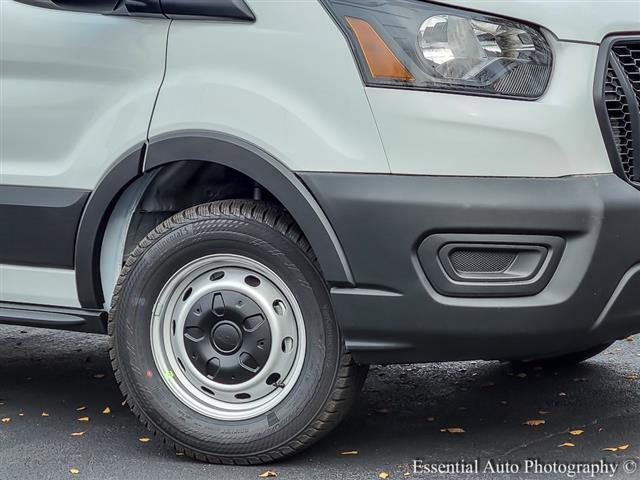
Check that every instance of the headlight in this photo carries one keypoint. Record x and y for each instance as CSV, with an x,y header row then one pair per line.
x,y
420,45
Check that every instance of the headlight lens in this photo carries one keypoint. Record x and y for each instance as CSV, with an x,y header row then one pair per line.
x,y
415,44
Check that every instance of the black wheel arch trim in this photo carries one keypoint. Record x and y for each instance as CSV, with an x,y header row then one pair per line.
x,y
94,222
214,147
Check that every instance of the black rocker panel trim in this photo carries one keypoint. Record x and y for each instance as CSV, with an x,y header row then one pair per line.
x,y
38,225
94,222
255,163
75,319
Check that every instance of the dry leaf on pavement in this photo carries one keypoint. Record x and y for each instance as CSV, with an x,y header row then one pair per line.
x,y
453,430
535,423
268,474
78,434
106,411
567,445
576,433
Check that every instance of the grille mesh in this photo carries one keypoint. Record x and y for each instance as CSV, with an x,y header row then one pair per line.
x,y
481,261
629,57
620,119
621,97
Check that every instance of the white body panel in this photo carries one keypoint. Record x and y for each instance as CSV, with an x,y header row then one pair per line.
x,y
41,286
77,92
447,134
287,83
584,20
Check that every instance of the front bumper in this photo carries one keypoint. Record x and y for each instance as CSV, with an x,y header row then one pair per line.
x,y
395,314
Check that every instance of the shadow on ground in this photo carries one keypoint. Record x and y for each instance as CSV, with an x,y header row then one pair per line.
x,y
400,416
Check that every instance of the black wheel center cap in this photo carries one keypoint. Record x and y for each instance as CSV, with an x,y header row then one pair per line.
x,y
226,337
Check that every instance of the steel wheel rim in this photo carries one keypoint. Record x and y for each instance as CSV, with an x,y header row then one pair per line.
x,y
173,311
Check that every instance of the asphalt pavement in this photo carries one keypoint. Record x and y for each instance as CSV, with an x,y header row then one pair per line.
x,y
435,413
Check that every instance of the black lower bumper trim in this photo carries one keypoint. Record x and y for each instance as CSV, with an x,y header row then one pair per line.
x,y
381,220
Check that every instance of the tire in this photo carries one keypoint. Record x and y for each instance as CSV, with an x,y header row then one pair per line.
x,y
569,359
235,256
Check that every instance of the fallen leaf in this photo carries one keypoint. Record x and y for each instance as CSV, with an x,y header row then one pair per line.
x,y
350,452
629,339
106,411
535,423
623,447
144,439
567,445
124,402
99,376
632,377
431,419
268,474
453,430
521,375
78,434
79,409
383,475
74,471
83,419
562,394
610,449
44,414
6,419
543,412
21,414
576,433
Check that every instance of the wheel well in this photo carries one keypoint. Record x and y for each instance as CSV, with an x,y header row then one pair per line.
x,y
185,168
180,185
161,193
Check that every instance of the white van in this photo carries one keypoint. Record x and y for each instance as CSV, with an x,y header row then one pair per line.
x,y
257,199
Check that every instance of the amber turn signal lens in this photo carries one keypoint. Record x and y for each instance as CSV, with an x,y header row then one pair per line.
x,y
380,59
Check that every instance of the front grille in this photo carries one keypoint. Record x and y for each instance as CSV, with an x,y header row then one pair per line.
x,y
619,97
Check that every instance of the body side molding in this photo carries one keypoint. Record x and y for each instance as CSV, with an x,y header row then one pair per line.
x,y
257,164
39,225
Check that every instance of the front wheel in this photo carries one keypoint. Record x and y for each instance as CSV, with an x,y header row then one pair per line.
x,y
223,338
